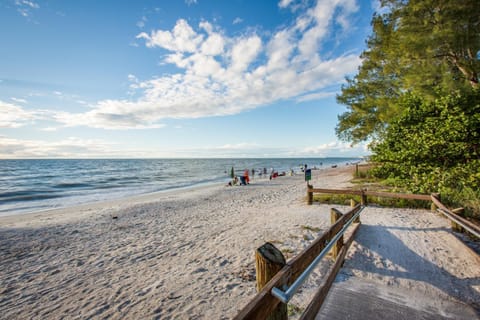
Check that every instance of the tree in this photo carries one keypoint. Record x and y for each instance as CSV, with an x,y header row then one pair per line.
x,y
433,146
428,47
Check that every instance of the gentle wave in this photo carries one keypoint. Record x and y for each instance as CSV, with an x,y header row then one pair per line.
x,y
32,185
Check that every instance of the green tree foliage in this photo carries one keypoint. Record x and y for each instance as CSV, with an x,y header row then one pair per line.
x,y
434,146
428,47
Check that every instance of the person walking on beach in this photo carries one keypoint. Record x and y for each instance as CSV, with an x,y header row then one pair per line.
x,y
245,175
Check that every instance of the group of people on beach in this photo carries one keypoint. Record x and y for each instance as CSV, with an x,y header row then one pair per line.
x,y
245,178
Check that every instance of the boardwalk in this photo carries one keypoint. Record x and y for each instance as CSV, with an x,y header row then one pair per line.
x,y
403,265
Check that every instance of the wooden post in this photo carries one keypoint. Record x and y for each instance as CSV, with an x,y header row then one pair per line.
x,y
353,203
364,198
268,261
334,216
456,227
356,171
309,194
433,207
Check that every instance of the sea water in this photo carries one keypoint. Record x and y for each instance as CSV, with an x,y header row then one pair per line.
x,y
36,185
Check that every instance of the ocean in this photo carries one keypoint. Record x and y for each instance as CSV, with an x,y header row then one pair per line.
x,y
36,185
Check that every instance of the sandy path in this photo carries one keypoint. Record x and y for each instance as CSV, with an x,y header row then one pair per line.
x,y
190,254
414,250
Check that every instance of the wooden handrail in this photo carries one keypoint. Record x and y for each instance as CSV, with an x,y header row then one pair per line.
x,y
317,301
453,216
264,302
261,306
410,196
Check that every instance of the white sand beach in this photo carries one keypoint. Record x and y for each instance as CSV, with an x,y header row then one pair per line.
x,y
189,254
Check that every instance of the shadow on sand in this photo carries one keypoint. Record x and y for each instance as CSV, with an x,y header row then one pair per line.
x,y
382,253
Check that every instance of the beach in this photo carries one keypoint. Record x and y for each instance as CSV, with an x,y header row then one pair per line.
x,y
189,253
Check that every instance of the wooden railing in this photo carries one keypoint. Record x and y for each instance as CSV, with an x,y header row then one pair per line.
x,y
364,193
457,221
265,304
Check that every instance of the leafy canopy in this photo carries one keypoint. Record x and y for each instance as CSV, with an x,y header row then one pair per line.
x,y
428,47
434,146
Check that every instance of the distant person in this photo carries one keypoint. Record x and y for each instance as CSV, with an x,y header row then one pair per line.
x,y
245,176
253,173
242,181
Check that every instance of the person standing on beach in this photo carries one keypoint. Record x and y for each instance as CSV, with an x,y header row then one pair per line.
x,y
245,175
253,173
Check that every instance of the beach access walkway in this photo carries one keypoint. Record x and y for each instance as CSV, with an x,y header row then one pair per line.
x,y
404,268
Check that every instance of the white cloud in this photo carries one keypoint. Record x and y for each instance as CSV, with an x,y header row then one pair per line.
x,y
213,45
221,75
244,52
30,4
315,96
18,100
248,149
25,7
141,22
237,20
71,147
191,2
182,38
284,3
13,116
336,148
74,147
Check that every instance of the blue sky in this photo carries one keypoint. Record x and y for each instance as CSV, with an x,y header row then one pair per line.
x,y
184,78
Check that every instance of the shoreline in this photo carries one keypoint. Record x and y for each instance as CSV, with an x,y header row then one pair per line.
x,y
183,255
17,218
64,213
41,185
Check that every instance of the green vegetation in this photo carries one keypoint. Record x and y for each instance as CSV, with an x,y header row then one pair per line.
x,y
293,310
434,147
428,47
384,202
309,228
416,98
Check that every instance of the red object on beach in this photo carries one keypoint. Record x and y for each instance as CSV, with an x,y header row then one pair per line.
x,y
245,175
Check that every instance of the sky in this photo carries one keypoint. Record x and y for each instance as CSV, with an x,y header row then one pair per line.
x,y
177,78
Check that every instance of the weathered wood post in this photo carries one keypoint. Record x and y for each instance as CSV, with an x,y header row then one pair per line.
x,y
455,226
353,203
334,216
433,207
357,175
364,198
268,261
309,194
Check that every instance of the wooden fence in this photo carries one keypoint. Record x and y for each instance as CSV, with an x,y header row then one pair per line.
x,y
264,303
458,222
266,306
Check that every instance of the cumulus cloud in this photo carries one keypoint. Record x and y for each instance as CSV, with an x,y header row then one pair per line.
x,y
181,39
222,75
13,116
11,148
336,148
